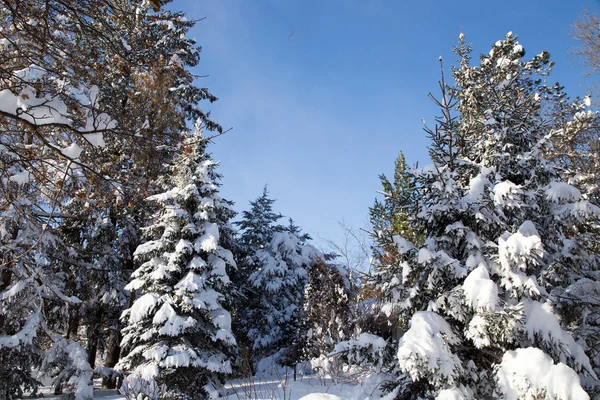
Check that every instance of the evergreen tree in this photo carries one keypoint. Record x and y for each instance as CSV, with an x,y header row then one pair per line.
x,y
259,224
104,88
271,280
391,218
278,282
327,320
177,331
478,291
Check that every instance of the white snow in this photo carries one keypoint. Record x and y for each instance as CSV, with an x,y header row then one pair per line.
x,y
503,62
480,291
530,373
477,331
95,139
25,336
506,194
209,240
364,340
425,348
517,49
320,396
143,306
523,245
32,73
176,324
73,151
561,191
148,247
424,256
403,245
455,393
477,184
164,313
541,324
280,385
22,177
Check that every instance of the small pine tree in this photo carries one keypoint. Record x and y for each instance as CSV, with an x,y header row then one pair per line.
x,y
278,282
327,316
177,332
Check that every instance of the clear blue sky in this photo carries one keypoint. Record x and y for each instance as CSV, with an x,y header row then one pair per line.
x,y
323,94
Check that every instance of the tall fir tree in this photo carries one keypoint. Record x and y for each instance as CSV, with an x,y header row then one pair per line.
x,y
259,224
391,218
177,331
272,276
478,294
105,88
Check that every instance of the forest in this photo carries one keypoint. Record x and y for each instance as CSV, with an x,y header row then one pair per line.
x,y
124,271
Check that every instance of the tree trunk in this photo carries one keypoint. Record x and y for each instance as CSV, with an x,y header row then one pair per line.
x,y
94,336
73,325
6,278
113,352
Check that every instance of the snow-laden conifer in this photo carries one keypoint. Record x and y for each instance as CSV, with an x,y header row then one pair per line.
x,y
478,294
274,274
177,331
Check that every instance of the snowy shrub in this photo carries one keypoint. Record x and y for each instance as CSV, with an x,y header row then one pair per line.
x,y
367,351
136,388
66,363
530,374
327,308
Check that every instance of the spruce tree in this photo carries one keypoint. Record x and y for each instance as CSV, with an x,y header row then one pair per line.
x,y
259,224
391,218
477,294
327,313
104,89
271,280
177,331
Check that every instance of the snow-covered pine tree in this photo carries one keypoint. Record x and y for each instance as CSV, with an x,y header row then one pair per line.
x,y
259,224
95,92
327,317
273,275
479,291
177,331
278,281
390,218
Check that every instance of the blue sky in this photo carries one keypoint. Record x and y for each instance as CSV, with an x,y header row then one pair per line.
x,y
323,94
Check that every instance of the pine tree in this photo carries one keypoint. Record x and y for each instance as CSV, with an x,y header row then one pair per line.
x,y
278,281
478,292
259,224
391,218
272,276
329,295
105,87
177,331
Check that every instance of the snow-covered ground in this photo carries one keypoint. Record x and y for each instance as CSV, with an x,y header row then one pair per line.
x,y
273,388
274,381
305,388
